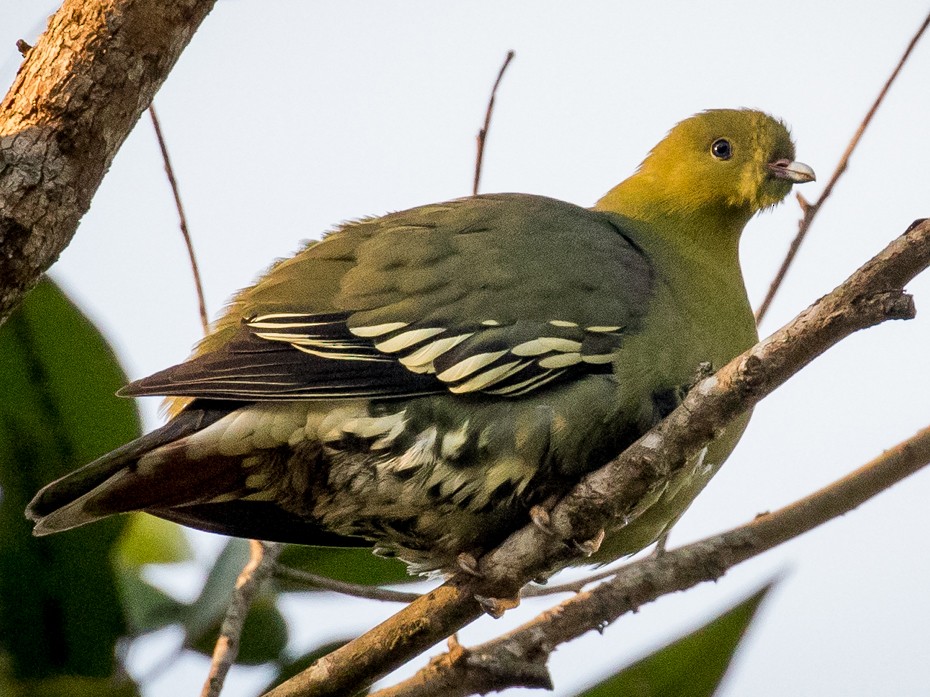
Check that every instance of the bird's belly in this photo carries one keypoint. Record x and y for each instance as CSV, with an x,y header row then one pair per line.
x,y
666,503
429,478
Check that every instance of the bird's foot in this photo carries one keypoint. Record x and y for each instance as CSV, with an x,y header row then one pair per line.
x,y
704,370
541,519
589,547
469,564
496,607
659,550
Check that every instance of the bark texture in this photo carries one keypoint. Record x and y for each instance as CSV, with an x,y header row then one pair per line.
x,y
77,95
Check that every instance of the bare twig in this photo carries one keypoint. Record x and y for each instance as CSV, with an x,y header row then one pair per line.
x,y
809,210
871,295
356,590
182,220
568,587
483,133
465,671
261,563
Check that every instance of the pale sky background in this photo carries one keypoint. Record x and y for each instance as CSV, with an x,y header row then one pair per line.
x,y
284,118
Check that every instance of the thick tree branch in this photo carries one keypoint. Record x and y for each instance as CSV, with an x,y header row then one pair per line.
x,y
871,295
521,655
76,97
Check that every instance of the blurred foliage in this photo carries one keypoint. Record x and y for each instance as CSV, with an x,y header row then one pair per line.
x,y
264,635
70,686
68,600
59,606
150,540
694,665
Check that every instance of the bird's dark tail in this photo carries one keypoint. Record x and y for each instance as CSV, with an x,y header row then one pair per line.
x,y
95,490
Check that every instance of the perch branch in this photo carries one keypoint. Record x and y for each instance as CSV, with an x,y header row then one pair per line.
x,y
262,559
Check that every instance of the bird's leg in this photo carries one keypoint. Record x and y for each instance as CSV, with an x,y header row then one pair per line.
x,y
496,607
540,517
539,514
468,563
590,546
659,550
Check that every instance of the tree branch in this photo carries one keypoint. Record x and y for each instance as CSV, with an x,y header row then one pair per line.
x,y
465,671
871,295
182,222
77,95
483,133
262,559
356,590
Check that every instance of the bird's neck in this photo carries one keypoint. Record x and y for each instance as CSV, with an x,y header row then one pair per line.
x,y
702,229
696,256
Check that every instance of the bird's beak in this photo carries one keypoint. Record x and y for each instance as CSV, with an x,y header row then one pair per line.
x,y
796,172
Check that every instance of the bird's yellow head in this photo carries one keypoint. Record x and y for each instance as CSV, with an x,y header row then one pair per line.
x,y
727,162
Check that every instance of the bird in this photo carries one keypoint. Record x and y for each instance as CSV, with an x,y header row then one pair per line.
x,y
422,382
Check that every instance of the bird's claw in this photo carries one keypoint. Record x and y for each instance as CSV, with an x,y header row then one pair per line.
x,y
589,547
659,550
468,564
704,371
496,607
541,519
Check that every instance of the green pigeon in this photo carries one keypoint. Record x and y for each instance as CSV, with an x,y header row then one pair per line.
x,y
422,381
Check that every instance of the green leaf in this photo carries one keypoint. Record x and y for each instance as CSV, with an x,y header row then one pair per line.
x,y
205,613
264,634
59,607
147,607
72,686
351,565
693,665
150,540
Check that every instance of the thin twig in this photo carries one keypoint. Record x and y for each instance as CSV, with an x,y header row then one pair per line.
x,y
261,563
483,133
809,210
567,587
182,219
356,590
464,671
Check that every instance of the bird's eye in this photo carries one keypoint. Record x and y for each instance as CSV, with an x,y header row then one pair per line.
x,y
721,149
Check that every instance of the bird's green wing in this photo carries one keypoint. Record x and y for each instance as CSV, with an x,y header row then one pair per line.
x,y
498,294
